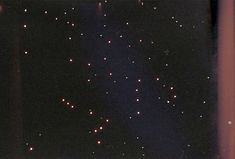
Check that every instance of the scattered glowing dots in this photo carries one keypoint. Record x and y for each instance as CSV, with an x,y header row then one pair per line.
x,y
176,21
229,122
98,142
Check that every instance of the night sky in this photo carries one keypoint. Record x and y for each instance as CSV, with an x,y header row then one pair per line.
x,y
115,79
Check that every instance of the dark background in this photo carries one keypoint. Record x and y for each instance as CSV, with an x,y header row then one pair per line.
x,y
54,130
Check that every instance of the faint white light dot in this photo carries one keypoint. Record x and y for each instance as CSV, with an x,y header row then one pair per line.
x,y
105,1
143,154
140,40
81,34
204,102
31,149
107,120
70,60
120,36
133,62
90,112
25,26
181,25
104,25
56,18
154,8
158,79
105,58
72,8
73,24
166,64
89,64
72,106
88,80
173,17
40,134
182,112
105,15
65,13
109,42
45,12
100,3
174,96
70,38
136,90
230,122
139,80
110,74
26,52
201,116
137,137
67,103
171,88
101,35
106,92
101,128
129,45
95,131
98,142
208,77
130,117
189,145
126,77
25,10
149,58
67,22
137,100
159,98
127,23
176,21
63,100
138,113
168,101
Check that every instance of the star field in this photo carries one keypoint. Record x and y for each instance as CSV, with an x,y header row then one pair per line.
x,y
117,79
